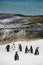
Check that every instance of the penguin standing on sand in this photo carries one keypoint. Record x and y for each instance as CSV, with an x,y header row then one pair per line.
x,y
8,48
16,57
31,49
26,49
20,47
36,51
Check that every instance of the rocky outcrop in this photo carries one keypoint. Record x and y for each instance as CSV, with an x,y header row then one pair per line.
x,y
20,26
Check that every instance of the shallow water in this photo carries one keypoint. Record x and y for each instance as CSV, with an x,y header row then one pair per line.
x,y
26,7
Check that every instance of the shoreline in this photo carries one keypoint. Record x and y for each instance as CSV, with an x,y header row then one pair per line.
x,y
7,42
22,15
32,40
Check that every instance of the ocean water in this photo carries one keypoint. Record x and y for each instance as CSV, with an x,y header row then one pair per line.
x,y
26,7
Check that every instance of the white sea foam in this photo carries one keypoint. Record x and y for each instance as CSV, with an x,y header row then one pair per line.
x,y
7,20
